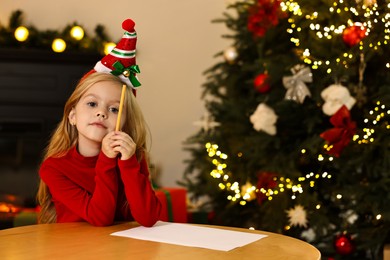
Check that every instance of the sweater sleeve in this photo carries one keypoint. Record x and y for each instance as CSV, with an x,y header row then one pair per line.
x,y
143,203
96,207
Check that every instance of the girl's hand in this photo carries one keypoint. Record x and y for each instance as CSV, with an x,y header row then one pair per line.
x,y
117,142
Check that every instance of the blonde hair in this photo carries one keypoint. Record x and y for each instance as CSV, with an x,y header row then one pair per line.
x,y
65,135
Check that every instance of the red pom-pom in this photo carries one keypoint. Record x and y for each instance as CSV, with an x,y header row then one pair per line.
x,y
128,25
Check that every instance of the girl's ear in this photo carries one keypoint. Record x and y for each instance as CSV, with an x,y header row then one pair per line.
x,y
72,117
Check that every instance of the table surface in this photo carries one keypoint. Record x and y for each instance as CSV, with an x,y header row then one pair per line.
x,y
83,241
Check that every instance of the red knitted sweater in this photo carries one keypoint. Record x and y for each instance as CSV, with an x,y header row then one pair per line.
x,y
96,189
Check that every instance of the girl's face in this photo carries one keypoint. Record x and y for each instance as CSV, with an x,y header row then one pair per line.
x,y
96,113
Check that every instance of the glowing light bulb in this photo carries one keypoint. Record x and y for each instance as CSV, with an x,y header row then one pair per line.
x,y
230,54
77,32
21,33
108,47
58,45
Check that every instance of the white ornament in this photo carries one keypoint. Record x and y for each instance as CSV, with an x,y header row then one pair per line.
x,y
309,235
230,54
264,119
297,216
207,122
350,216
335,96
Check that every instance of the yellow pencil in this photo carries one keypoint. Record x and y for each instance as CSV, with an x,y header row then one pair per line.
x,y
118,120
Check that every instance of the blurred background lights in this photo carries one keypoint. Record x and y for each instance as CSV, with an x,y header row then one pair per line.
x,y
108,47
77,32
58,45
21,33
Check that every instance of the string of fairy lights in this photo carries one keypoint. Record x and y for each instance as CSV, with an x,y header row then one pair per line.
x,y
247,192
366,17
58,45
376,116
242,193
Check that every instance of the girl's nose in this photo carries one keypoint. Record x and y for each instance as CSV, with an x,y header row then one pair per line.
x,y
101,114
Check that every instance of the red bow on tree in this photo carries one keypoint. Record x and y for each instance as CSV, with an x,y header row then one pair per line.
x,y
264,15
265,180
342,133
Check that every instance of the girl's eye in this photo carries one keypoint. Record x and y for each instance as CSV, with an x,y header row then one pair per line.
x,y
114,110
91,104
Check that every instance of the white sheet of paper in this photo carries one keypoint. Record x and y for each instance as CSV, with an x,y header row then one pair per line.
x,y
191,235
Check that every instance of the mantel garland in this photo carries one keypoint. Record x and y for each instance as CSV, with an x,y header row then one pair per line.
x,y
19,35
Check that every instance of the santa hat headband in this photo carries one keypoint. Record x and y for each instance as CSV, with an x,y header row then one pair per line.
x,y
121,60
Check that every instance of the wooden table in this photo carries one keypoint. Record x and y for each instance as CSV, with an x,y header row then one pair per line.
x,y
83,241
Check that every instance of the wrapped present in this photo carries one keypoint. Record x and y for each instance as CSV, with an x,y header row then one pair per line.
x,y
26,217
174,206
200,217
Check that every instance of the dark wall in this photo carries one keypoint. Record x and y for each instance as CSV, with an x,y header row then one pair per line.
x,y
34,86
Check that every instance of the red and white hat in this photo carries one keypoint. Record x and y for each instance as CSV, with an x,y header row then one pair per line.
x,y
121,60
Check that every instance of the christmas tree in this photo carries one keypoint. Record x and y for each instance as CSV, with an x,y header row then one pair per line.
x,y
297,134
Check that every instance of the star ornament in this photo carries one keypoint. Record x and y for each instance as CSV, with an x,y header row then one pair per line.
x,y
297,216
207,123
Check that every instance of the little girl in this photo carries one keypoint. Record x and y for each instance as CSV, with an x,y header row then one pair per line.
x,y
90,172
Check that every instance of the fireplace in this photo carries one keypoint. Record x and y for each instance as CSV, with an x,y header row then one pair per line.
x,y
34,85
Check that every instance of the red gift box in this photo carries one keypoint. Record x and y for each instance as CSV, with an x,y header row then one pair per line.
x,y
200,217
174,205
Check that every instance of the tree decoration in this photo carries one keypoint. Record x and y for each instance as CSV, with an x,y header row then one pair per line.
x,y
335,96
207,122
18,34
248,191
343,244
294,165
297,216
360,90
354,34
295,84
377,120
265,181
369,3
309,235
335,21
342,133
350,216
264,15
218,159
264,119
230,55
261,83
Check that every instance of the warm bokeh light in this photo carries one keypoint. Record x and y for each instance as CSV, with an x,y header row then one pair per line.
x,y
77,33
21,33
58,45
108,47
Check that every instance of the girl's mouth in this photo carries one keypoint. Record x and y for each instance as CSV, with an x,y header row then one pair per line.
x,y
98,124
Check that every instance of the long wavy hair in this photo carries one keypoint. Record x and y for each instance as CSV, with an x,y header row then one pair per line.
x,y
65,135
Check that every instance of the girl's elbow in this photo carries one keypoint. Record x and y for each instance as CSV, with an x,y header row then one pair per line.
x,y
100,222
148,222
